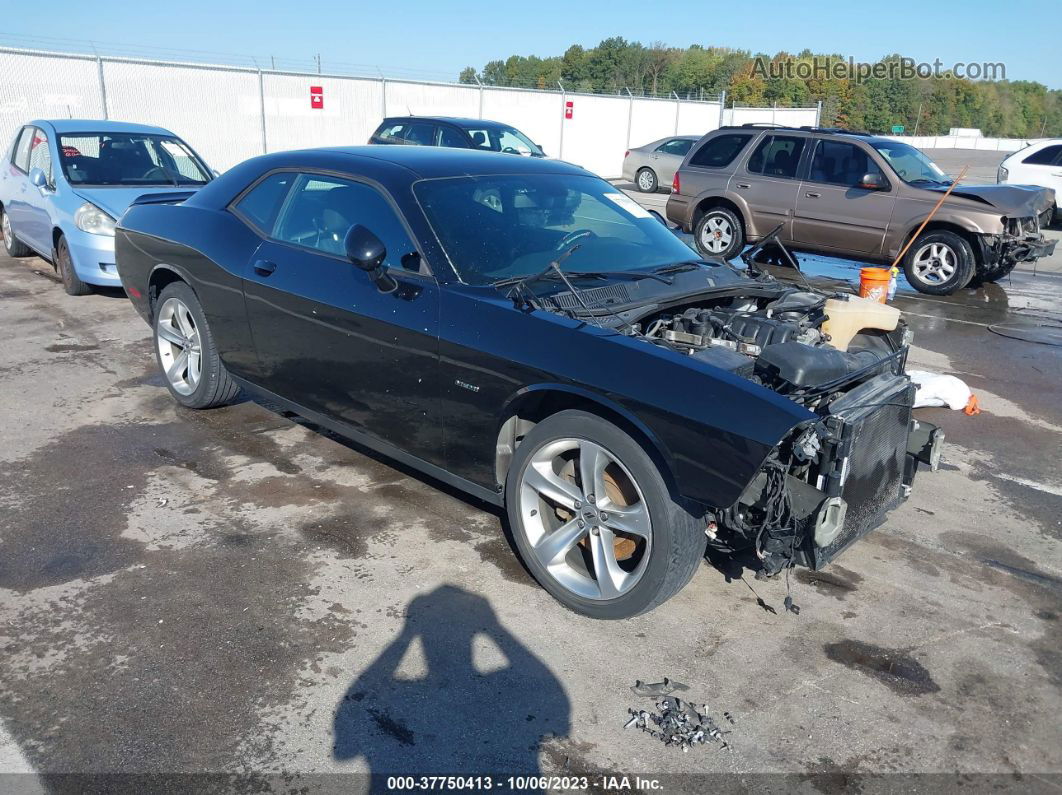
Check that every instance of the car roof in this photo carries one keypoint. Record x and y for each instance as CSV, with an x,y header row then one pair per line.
x,y
396,167
62,126
460,121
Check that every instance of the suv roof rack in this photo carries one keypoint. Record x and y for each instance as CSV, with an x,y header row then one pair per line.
x,y
766,125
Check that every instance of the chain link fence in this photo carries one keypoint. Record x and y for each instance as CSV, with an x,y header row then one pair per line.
x,y
230,113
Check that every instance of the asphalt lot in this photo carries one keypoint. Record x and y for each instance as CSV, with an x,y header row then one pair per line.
x,y
233,591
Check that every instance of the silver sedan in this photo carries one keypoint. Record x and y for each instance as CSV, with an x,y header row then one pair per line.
x,y
655,164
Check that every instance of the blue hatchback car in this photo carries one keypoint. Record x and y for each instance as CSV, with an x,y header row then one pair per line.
x,y
64,184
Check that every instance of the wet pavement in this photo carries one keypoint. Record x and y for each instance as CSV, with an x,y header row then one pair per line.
x,y
233,591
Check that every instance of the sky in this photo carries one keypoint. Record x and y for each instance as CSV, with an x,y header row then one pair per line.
x,y
435,39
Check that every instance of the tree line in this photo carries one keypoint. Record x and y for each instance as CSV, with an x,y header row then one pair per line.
x,y
929,104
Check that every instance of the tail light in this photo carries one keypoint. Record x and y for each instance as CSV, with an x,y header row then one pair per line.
x,y
626,154
1002,174
676,187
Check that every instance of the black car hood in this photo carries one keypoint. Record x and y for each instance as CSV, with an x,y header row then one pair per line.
x,y
1016,201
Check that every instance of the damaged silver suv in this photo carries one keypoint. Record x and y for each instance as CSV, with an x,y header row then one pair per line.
x,y
856,196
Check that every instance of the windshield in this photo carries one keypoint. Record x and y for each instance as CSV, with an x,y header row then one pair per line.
x,y
503,139
909,163
131,159
495,227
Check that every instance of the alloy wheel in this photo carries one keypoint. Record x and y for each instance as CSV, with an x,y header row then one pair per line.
x,y
180,351
717,234
585,518
6,227
934,263
645,180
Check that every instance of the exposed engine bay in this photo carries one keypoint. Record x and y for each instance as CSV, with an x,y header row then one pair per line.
x,y
798,343
836,476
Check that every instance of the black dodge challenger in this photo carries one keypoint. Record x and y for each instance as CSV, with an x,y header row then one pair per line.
x,y
524,331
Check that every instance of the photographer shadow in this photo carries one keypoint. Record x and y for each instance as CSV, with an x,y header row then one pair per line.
x,y
454,694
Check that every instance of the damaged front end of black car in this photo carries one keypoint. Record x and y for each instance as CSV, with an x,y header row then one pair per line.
x,y
835,476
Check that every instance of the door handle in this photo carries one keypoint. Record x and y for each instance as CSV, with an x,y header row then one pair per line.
x,y
811,195
744,185
264,267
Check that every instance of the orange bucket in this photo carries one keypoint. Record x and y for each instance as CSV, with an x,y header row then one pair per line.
x,y
874,283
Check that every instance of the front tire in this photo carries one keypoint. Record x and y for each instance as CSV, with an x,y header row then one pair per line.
x,y
646,180
186,352
13,246
719,233
65,265
594,520
939,263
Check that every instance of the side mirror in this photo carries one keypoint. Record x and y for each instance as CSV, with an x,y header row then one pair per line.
x,y
872,181
38,179
367,251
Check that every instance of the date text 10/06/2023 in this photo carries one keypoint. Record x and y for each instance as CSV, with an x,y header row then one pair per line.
x,y
574,783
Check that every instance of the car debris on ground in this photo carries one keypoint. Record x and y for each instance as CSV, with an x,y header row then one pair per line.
x,y
677,722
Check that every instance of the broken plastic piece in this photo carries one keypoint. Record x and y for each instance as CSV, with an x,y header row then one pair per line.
x,y
641,688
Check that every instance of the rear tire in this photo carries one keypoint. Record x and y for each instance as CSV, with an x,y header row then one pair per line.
x,y
939,263
616,555
65,265
186,352
646,180
719,233
13,246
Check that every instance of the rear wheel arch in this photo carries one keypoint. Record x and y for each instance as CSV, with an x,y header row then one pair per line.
x,y
707,203
161,278
531,406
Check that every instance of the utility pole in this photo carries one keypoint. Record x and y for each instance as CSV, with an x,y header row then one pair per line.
x,y
318,59
678,107
564,106
630,114
478,83
918,118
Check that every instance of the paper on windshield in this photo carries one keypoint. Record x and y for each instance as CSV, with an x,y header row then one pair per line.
x,y
627,203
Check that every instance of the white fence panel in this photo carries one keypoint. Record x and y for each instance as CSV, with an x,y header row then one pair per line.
x,y
596,135
652,119
46,87
217,111
698,118
538,114
431,99
351,111
231,113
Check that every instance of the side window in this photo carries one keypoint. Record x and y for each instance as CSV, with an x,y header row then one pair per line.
x,y
838,163
480,139
262,203
778,156
448,136
322,209
720,150
22,150
676,146
1048,156
390,132
40,156
420,134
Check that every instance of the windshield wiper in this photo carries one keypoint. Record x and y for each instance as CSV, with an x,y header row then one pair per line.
x,y
550,273
553,270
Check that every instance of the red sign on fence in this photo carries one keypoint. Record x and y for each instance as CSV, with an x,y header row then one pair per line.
x,y
317,97
569,109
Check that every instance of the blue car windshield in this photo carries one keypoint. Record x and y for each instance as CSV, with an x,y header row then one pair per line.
x,y
499,226
132,159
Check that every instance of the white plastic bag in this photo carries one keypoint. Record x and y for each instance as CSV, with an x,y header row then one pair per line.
x,y
935,389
